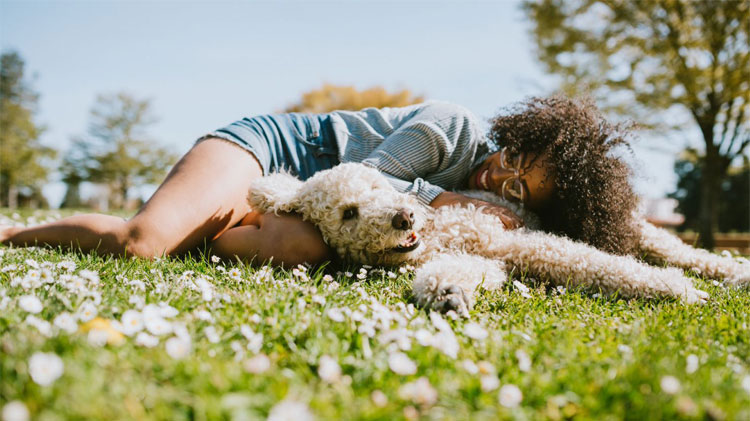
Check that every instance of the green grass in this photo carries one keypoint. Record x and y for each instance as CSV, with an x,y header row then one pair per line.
x,y
591,357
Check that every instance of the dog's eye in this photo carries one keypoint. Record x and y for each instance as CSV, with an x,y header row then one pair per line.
x,y
350,213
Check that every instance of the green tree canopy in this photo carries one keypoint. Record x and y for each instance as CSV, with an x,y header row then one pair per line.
x,y
332,97
641,58
117,151
23,159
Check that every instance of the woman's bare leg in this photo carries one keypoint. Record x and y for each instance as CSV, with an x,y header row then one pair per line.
x,y
203,195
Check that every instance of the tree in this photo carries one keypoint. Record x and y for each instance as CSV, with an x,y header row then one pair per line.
x,y
117,151
734,203
22,156
646,57
332,97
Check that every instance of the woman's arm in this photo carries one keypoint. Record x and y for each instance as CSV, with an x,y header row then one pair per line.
x,y
509,219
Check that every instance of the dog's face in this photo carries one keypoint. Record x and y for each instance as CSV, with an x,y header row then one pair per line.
x,y
361,216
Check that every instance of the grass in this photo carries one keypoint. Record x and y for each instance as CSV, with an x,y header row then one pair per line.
x,y
571,354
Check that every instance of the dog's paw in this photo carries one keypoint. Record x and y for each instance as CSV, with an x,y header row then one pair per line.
x,y
451,297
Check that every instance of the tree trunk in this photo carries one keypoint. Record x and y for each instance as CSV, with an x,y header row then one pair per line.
x,y
708,215
12,196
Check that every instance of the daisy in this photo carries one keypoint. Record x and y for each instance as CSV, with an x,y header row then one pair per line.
x,y
400,363
30,303
178,347
475,331
15,411
257,364
87,311
144,339
510,396
328,369
45,368
132,322
290,410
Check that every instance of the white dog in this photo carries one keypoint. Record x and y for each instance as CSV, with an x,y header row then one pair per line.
x,y
458,249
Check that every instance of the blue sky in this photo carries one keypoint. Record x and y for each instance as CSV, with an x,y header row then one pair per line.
x,y
206,63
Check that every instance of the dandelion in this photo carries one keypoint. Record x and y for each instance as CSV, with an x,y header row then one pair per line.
x,y
45,368
144,339
257,364
669,385
692,364
15,411
290,410
510,396
475,331
178,347
328,369
419,392
400,363
489,382
30,303
132,322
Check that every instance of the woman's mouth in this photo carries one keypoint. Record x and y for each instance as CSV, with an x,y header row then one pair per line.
x,y
483,179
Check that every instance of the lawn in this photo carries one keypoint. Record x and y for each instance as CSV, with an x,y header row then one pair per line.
x,y
200,338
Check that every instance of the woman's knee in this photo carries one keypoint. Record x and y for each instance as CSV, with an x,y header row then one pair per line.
x,y
137,240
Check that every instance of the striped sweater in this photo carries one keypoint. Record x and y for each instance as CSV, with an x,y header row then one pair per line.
x,y
423,149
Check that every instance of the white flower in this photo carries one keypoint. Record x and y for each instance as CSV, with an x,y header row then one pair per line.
x,y
327,278
318,299
178,347
419,391
424,337
469,366
210,333
475,331
144,339
87,311
335,314
30,303
328,369
289,410
98,337
45,368
215,259
15,411
524,362
486,367
401,364
523,289
165,310
206,289
439,322
204,315
132,322
44,327
234,273
378,398
257,364
489,382
746,383
670,385
66,322
446,342
137,301
692,364
510,396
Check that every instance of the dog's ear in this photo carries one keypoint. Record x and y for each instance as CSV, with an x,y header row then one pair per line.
x,y
274,193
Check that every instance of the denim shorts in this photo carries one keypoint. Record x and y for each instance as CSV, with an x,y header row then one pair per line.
x,y
301,144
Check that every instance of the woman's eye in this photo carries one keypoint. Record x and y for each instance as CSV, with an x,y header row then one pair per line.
x,y
350,213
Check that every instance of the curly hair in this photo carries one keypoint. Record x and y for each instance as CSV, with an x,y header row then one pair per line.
x,y
593,200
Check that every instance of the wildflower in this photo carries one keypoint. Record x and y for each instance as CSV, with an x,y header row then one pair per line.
x,y
469,366
30,303
328,278
669,385
132,322
165,310
624,349
402,270
255,318
87,311
144,339
66,322
486,367
400,363
205,288
523,289
101,331
419,391
524,362
204,315
318,299
178,347
44,327
391,275
137,284
378,398
290,410
67,265
335,314
157,325
234,273
328,369
746,383
510,396
90,276
215,259
692,364
210,333
45,368
489,382
424,337
257,364
15,411
475,331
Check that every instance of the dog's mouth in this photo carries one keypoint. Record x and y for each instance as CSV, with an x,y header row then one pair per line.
x,y
410,244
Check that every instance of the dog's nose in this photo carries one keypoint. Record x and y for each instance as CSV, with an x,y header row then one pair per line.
x,y
402,220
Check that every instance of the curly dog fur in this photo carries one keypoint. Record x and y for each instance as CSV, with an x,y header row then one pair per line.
x,y
458,249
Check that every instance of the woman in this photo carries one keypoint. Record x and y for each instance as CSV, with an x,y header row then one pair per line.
x,y
554,159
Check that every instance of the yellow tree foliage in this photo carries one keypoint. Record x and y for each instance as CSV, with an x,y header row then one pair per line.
x,y
333,97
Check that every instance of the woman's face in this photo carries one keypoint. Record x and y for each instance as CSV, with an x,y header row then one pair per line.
x,y
526,177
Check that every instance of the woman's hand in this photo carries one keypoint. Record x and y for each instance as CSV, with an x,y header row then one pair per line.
x,y
506,216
